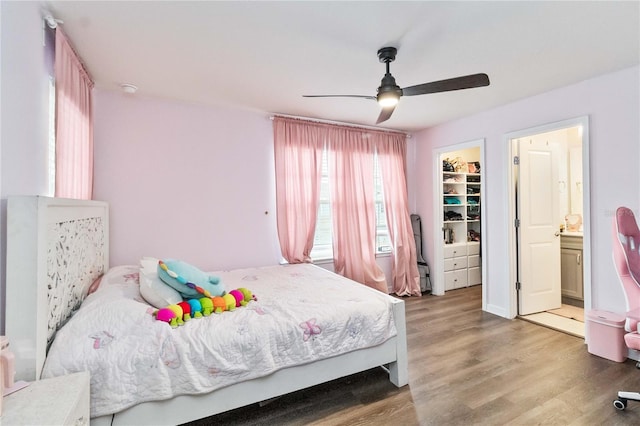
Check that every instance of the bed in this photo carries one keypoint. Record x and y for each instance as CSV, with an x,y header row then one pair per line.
x,y
57,249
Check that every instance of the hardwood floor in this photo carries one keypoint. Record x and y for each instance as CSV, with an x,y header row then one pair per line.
x,y
466,367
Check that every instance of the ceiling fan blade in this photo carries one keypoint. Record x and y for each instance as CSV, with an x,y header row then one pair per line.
x,y
340,96
385,114
457,83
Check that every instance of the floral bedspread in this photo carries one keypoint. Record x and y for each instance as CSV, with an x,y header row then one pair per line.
x,y
302,313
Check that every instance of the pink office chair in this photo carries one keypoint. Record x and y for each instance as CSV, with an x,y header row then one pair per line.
x,y
626,257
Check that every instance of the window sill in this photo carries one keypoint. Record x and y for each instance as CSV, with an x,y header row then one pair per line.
x,y
322,261
325,260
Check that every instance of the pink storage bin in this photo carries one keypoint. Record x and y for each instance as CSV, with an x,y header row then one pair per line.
x,y
606,335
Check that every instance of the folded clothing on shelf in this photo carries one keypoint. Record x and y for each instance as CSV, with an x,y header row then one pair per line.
x,y
452,200
452,179
451,215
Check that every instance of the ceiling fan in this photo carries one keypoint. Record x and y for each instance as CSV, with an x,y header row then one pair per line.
x,y
389,92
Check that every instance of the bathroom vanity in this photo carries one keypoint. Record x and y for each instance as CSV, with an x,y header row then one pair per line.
x,y
571,265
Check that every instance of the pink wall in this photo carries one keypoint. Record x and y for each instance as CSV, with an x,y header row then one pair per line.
x,y
185,181
25,113
25,101
612,103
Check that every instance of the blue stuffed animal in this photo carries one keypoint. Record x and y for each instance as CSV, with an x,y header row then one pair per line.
x,y
188,280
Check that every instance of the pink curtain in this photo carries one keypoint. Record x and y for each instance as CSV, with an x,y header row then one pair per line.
x,y
298,159
391,150
74,123
351,167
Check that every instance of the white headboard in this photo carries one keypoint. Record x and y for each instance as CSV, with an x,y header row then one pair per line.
x,y
56,248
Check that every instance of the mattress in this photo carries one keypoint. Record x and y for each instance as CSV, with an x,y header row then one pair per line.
x,y
302,313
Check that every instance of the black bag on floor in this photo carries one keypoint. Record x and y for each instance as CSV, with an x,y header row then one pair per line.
x,y
423,268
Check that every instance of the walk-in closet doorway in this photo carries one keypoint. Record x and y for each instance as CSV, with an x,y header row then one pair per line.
x,y
440,246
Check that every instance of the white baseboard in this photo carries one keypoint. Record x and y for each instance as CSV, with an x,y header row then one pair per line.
x,y
497,310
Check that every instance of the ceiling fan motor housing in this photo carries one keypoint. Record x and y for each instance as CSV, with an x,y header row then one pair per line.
x,y
387,54
389,87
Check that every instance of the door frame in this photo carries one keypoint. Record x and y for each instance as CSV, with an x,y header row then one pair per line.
x,y
438,287
582,121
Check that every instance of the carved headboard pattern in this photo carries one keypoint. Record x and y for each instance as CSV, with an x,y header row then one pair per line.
x,y
75,254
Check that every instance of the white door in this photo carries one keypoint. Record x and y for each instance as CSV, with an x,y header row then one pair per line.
x,y
539,204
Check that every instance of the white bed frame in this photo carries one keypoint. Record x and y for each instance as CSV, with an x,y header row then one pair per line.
x,y
29,272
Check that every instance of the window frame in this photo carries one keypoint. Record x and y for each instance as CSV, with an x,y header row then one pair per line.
x,y
323,244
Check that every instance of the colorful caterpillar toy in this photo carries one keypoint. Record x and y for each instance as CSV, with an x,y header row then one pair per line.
x,y
177,314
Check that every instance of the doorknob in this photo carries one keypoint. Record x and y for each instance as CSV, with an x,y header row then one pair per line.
x,y
557,234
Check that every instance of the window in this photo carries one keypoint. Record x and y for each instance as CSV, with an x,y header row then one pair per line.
x,y
322,243
383,242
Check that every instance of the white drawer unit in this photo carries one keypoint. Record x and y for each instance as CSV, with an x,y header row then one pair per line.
x,y
475,276
455,279
462,265
62,400
455,250
455,266
475,263
454,263
473,249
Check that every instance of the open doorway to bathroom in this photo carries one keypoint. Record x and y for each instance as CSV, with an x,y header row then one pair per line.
x,y
549,198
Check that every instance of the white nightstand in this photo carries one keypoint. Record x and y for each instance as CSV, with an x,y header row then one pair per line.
x,y
60,400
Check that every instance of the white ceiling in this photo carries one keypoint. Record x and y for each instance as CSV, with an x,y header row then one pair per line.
x,y
264,56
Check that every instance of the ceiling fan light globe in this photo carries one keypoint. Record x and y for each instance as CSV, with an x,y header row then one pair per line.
x,y
388,99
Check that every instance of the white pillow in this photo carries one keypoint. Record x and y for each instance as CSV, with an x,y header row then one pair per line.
x,y
149,264
152,288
